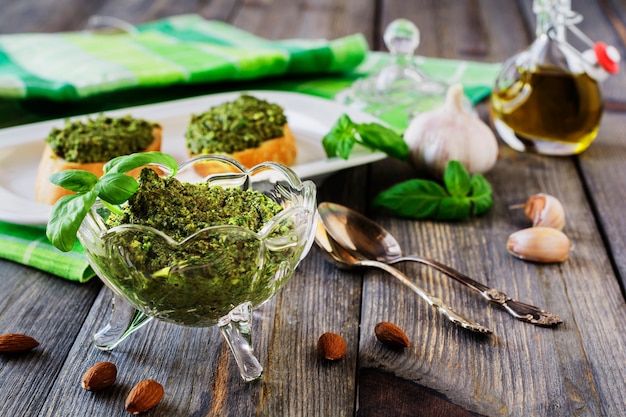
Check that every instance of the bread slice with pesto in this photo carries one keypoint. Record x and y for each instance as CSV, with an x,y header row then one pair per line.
x,y
88,145
248,129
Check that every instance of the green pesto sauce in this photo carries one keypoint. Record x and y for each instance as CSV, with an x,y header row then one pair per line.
x,y
196,283
235,126
100,139
181,209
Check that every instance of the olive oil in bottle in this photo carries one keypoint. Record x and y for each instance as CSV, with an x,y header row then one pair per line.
x,y
546,98
548,111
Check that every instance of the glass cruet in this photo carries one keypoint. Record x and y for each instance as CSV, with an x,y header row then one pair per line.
x,y
547,98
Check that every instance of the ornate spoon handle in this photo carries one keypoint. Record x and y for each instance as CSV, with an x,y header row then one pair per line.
x,y
517,309
436,302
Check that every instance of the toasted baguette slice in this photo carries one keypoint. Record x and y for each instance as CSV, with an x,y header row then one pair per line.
x,y
282,150
48,193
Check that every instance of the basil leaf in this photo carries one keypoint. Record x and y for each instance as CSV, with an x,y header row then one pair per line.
x,y
453,208
379,137
66,217
125,163
418,199
344,148
481,196
421,199
457,179
116,188
75,180
341,138
345,133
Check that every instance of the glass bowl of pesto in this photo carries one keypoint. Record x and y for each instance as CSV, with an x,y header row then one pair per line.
x,y
201,251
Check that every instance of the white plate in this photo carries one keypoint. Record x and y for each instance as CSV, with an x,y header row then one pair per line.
x,y
310,118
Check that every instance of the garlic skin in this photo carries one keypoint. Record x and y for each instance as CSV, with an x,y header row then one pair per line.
x,y
438,136
539,244
545,210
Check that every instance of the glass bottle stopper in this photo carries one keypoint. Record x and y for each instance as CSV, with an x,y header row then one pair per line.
x,y
400,84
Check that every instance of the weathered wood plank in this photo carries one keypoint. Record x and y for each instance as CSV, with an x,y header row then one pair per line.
x,y
447,26
146,10
280,19
55,16
598,26
193,364
46,16
319,299
404,400
603,167
297,381
52,311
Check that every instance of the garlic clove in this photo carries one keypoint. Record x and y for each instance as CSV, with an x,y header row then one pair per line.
x,y
545,210
539,244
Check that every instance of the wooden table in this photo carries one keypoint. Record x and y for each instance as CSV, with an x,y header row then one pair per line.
x,y
578,368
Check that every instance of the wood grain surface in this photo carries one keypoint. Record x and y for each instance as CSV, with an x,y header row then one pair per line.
x,y
576,369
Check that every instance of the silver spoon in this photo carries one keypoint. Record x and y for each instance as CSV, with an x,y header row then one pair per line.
x,y
347,260
358,234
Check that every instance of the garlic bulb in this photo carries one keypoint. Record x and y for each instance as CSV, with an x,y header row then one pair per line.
x,y
539,244
438,136
545,210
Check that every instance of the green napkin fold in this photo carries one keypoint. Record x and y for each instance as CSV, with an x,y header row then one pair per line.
x,y
29,245
477,79
184,49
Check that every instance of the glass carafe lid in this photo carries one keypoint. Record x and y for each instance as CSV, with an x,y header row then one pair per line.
x,y
400,85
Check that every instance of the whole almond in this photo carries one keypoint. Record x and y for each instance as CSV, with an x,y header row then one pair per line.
x,y
15,342
391,335
144,396
331,346
100,376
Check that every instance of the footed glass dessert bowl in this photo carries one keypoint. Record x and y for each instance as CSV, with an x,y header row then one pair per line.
x,y
215,276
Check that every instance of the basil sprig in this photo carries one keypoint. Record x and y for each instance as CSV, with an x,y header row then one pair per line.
x,y
460,197
113,188
345,134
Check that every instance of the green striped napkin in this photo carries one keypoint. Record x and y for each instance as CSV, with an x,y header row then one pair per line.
x,y
477,79
29,245
184,49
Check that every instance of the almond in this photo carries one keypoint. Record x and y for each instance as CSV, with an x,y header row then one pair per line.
x,y
144,396
14,342
391,335
100,376
331,346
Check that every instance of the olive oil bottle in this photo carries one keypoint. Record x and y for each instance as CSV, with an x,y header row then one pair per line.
x,y
547,98
549,111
